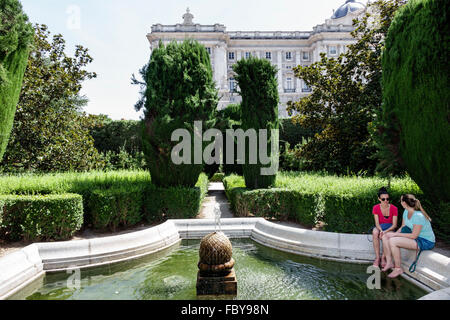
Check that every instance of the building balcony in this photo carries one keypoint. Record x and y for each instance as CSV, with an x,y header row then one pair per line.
x,y
289,90
306,90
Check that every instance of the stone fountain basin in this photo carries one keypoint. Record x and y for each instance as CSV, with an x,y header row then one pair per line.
x,y
22,267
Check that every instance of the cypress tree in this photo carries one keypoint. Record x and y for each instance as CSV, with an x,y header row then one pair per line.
x,y
16,35
416,92
179,89
416,99
259,110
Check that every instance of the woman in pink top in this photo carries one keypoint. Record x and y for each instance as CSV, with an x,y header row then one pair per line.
x,y
385,216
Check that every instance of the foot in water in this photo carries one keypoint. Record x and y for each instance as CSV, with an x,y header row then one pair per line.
x,y
376,263
387,267
395,273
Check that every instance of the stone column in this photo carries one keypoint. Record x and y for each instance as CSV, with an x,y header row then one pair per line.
x,y
280,71
297,80
238,55
220,66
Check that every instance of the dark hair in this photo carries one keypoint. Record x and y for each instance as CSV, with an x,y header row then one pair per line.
x,y
381,191
412,202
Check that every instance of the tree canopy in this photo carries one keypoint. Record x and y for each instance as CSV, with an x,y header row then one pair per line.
x,y
50,131
346,97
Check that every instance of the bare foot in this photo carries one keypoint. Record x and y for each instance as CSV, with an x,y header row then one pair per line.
x,y
387,267
376,263
395,273
383,262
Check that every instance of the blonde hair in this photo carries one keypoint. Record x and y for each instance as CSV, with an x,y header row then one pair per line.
x,y
412,202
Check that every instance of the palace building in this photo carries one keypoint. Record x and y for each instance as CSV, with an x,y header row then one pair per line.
x,y
285,49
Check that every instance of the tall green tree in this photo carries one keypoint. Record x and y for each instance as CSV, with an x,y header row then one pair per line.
x,y
16,35
416,95
178,89
50,131
259,110
346,97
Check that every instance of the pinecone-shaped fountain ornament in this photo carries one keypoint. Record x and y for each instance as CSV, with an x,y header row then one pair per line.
x,y
216,273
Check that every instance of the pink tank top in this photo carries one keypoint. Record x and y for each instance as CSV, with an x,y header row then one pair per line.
x,y
393,211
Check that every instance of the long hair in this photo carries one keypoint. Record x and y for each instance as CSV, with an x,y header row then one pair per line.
x,y
412,202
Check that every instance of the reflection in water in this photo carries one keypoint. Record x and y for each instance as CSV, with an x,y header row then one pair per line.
x,y
262,273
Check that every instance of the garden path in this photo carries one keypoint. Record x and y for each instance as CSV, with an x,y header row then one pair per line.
x,y
216,195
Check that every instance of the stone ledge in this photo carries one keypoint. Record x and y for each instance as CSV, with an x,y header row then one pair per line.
x,y
22,267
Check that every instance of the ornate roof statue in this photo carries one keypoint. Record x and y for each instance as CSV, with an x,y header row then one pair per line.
x,y
187,18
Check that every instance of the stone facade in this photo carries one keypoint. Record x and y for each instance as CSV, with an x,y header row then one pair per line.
x,y
284,49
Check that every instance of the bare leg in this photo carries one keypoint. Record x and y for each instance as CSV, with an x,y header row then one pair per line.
x,y
376,246
387,253
395,244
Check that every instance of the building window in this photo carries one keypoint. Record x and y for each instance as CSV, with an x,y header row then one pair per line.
x,y
305,55
333,50
289,86
289,83
305,87
230,55
288,66
208,49
247,55
269,55
232,85
288,55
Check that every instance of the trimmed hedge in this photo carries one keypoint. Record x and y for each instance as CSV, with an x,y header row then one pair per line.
x,y
175,202
344,204
40,217
217,177
109,200
116,207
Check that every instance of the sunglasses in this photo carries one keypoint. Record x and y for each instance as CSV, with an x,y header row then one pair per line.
x,y
384,199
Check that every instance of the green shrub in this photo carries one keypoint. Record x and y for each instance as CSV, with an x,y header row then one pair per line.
x,y
174,202
344,204
217,177
179,91
259,110
117,135
120,206
16,35
416,96
293,133
40,217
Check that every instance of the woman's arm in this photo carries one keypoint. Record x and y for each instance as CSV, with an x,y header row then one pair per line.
x,y
394,225
415,232
377,222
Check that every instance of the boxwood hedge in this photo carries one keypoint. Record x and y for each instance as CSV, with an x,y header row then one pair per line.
x,y
40,217
343,204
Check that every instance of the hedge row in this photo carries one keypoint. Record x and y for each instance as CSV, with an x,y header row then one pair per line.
x,y
105,202
40,217
343,204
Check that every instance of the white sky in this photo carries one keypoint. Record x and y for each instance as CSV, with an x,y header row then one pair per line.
x,y
115,32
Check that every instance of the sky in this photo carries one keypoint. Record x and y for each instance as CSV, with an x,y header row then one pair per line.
x,y
115,32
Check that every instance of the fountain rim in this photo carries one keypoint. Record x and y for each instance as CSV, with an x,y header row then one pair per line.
x,y
22,267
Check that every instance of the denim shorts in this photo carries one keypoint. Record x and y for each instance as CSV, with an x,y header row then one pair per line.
x,y
385,226
424,244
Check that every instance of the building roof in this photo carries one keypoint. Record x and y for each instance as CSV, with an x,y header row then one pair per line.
x,y
348,6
